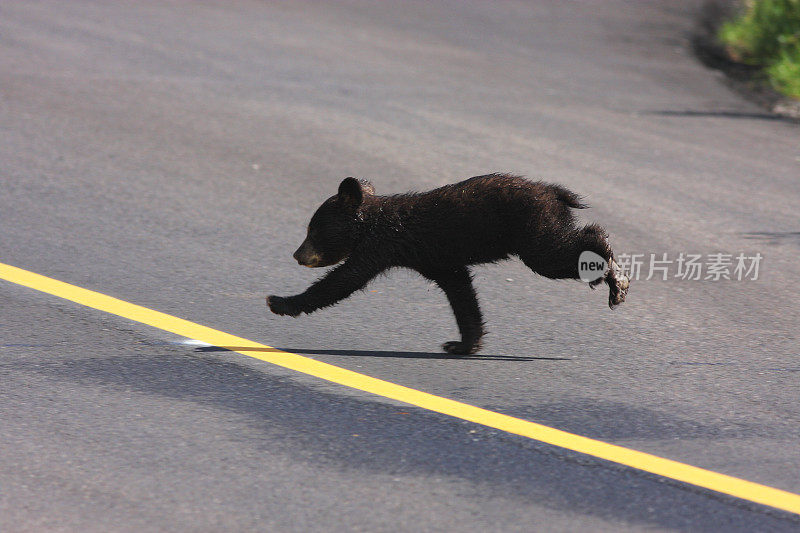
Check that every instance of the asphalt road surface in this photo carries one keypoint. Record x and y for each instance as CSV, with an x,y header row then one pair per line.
x,y
171,154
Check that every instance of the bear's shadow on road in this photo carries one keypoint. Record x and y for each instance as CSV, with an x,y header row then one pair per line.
x,y
378,353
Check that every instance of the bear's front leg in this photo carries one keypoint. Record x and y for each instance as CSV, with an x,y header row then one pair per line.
x,y
457,286
283,306
336,285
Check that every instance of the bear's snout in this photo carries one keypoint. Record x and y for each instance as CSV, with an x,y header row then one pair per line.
x,y
306,256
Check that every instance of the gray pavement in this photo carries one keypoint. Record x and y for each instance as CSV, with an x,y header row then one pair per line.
x,y
171,155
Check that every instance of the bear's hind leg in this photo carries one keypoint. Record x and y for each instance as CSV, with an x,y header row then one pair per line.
x,y
618,282
457,286
559,260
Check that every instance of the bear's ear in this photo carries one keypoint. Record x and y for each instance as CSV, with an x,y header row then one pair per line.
x,y
352,191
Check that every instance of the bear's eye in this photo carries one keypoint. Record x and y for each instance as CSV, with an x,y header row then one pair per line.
x,y
316,236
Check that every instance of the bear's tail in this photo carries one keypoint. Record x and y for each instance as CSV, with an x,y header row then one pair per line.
x,y
570,198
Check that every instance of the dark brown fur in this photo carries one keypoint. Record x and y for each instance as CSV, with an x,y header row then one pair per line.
x,y
440,233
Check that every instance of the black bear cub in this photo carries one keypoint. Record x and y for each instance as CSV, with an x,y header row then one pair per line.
x,y
440,233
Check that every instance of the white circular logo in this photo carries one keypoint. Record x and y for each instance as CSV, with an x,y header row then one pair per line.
x,y
591,266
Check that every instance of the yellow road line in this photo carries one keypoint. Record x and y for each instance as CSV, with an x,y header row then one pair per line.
x,y
693,475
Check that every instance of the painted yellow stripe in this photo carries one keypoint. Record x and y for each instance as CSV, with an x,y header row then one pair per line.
x,y
693,475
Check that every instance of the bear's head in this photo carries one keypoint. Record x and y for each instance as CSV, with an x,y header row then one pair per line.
x,y
332,232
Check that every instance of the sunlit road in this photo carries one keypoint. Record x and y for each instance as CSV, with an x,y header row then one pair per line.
x,y
170,154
